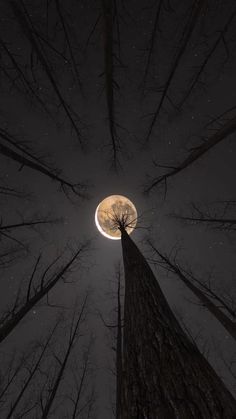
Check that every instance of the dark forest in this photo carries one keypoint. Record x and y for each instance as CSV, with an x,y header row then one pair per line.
x,y
135,98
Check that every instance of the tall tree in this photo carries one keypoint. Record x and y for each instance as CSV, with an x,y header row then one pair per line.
x,y
219,40
165,375
83,394
74,330
32,370
195,13
117,341
48,280
152,42
112,60
197,152
203,292
10,148
23,17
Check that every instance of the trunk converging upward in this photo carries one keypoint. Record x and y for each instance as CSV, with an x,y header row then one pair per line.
x,y
164,374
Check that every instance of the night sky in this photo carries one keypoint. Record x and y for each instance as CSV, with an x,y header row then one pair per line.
x,y
48,73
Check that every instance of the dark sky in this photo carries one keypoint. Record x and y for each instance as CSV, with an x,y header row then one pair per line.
x,y
210,179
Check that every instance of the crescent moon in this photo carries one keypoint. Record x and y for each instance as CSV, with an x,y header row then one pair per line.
x,y
114,205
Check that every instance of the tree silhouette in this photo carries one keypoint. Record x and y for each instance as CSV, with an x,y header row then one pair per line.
x,y
219,216
164,373
28,159
74,329
73,75
198,151
194,14
201,291
35,292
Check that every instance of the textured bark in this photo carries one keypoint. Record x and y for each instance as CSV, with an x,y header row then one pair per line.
x,y
165,376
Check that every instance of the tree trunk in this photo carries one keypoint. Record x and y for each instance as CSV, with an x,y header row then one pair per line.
x,y
165,376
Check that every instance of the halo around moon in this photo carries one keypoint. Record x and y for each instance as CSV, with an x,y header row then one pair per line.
x,y
111,207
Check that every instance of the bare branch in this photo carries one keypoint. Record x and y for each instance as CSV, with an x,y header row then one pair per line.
x,y
188,30
207,59
174,267
15,317
25,21
24,160
222,133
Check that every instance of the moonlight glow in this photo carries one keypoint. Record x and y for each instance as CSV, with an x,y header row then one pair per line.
x,y
111,207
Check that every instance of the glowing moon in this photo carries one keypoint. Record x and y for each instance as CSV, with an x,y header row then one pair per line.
x,y
115,206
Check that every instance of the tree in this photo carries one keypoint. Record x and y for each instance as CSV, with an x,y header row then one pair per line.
x,y
203,292
164,373
24,19
33,223
73,336
219,216
82,395
32,382
110,23
197,152
32,370
19,153
65,28
220,39
195,13
8,376
35,292
152,42
117,327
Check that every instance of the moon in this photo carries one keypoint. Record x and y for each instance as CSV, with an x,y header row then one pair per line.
x,y
115,205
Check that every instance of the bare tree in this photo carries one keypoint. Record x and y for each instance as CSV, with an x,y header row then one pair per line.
x,y
35,292
164,373
9,374
110,16
73,337
19,80
8,234
65,28
32,223
82,394
219,216
202,291
197,152
219,40
117,339
32,370
23,17
32,383
28,223
191,22
20,154
152,42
